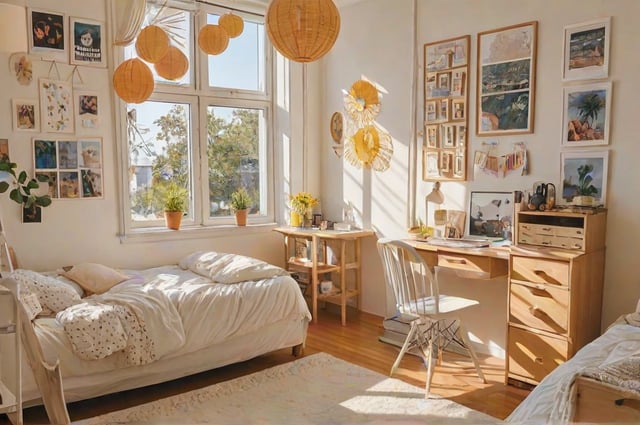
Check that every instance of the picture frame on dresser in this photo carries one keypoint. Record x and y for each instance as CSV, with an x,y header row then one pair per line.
x,y
584,173
585,50
506,77
586,114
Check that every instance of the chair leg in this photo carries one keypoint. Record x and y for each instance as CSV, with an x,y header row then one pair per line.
x,y
472,353
429,359
405,346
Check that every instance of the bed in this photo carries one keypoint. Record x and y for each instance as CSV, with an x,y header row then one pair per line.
x,y
210,310
600,384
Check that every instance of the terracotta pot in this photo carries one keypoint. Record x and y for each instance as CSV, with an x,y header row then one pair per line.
x,y
173,219
241,217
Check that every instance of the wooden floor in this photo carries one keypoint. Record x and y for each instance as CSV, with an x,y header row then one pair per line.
x,y
357,343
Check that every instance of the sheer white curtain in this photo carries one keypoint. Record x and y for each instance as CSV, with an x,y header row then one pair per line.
x,y
129,16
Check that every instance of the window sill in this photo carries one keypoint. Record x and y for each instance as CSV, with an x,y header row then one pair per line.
x,y
160,234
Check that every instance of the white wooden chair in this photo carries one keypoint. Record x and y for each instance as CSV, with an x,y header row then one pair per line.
x,y
432,315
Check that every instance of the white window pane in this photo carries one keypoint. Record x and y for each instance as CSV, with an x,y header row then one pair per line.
x,y
159,153
235,148
241,66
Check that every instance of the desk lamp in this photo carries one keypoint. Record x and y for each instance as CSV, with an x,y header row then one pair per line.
x,y
436,197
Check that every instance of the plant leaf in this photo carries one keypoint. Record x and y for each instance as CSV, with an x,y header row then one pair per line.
x,y
43,201
42,178
22,177
15,196
3,187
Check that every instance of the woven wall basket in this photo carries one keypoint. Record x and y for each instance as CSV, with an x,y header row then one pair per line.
x,y
133,81
173,65
303,30
152,43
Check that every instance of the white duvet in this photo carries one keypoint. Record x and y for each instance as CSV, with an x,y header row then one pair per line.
x,y
549,402
193,312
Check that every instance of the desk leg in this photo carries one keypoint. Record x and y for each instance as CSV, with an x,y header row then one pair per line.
x,y
358,271
343,283
314,279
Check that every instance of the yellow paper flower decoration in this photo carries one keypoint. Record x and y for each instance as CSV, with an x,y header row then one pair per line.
x,y
302,202
362,102
369,148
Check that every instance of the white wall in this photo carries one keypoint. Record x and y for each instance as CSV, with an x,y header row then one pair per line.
x,y
375,41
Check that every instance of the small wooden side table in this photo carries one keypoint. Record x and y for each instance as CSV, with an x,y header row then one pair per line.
x,y
317,263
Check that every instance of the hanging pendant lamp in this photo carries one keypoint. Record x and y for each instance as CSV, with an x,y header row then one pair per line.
x,y
152,43
233,24
173,65
213,39
133,81
303,30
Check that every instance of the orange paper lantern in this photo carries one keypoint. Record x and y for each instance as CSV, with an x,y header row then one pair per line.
x,y
303,30
133,81
213,39
152,43
173,65
233,24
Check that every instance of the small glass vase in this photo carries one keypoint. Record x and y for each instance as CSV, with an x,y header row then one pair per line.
x,y
307,218
295,219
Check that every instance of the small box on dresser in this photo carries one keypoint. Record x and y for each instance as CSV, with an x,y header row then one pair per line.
x,y
556,278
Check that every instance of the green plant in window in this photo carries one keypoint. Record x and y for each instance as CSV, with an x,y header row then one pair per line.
x,y
240,199
175,198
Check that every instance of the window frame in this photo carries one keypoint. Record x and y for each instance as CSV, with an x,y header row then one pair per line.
x,y
200,96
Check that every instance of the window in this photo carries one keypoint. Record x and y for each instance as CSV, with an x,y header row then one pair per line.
x,y
209,131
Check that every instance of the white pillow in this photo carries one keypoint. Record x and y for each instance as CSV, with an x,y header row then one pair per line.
x,y
53,295
94,278
229,268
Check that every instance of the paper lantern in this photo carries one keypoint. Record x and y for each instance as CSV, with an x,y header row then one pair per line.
x,y
173,65
152,43
233,24
303,30
213,39
133,81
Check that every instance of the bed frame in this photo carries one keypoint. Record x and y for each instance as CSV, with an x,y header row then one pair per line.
x,y
598,402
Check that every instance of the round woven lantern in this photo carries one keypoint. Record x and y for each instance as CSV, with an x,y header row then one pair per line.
x,y
133,81
362,103
213,39
233,24
173,65
152,43
303,30
369,147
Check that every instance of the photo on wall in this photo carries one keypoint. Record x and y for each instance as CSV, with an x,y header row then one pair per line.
x,y
47,34
88,42
491,214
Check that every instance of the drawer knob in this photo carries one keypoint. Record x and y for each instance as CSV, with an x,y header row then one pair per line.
x,y
538,360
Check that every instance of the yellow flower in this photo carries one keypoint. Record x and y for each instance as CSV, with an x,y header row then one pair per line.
x,y
302,202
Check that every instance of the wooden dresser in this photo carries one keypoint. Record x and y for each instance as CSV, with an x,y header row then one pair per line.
x,y
556,273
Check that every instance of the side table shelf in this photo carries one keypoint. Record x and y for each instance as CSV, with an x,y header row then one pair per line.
x,y
320,245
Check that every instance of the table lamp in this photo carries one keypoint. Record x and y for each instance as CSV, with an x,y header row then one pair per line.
x,y
437,197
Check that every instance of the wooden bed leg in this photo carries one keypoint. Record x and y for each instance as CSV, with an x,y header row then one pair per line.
x,y
297,350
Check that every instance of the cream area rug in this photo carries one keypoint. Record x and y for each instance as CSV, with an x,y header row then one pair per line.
x,y
317,389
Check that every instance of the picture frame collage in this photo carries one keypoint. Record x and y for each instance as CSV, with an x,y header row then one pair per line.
x,y
446,110
586,112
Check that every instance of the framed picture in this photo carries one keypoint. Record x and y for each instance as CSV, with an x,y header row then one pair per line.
x,y
88,42
25,115
490,213
56,106
87,108
506,80
47,33
584,174
432,136
446,67
585,114
586,50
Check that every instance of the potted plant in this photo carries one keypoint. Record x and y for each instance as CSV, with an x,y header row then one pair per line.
x,y
175,200
302,204
585,190
23,189
240,203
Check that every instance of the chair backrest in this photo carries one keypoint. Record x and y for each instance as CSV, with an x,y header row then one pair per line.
x,y
409,277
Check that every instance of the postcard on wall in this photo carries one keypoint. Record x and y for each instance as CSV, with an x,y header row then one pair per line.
x,y
506,80
47,34
87,108
88,43
56,106
25,115
586,114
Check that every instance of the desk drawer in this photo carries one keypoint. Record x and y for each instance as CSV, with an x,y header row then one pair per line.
x,y
536,270
533,356
471,263
539,306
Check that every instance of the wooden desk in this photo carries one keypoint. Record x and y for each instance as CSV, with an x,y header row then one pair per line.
x,y
318,264
483,263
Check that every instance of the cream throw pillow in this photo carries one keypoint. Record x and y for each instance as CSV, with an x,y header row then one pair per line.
x,y
94,278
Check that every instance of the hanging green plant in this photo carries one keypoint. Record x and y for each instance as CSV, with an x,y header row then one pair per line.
x,y
23,187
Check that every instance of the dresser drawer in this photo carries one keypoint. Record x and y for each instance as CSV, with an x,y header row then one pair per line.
x,y
537,270
539,306
533,356
552,236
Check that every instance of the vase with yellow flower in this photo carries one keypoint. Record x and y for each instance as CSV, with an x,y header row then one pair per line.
x,y
301,205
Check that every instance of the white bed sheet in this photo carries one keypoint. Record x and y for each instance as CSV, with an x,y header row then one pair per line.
x,y
212,314
547,402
